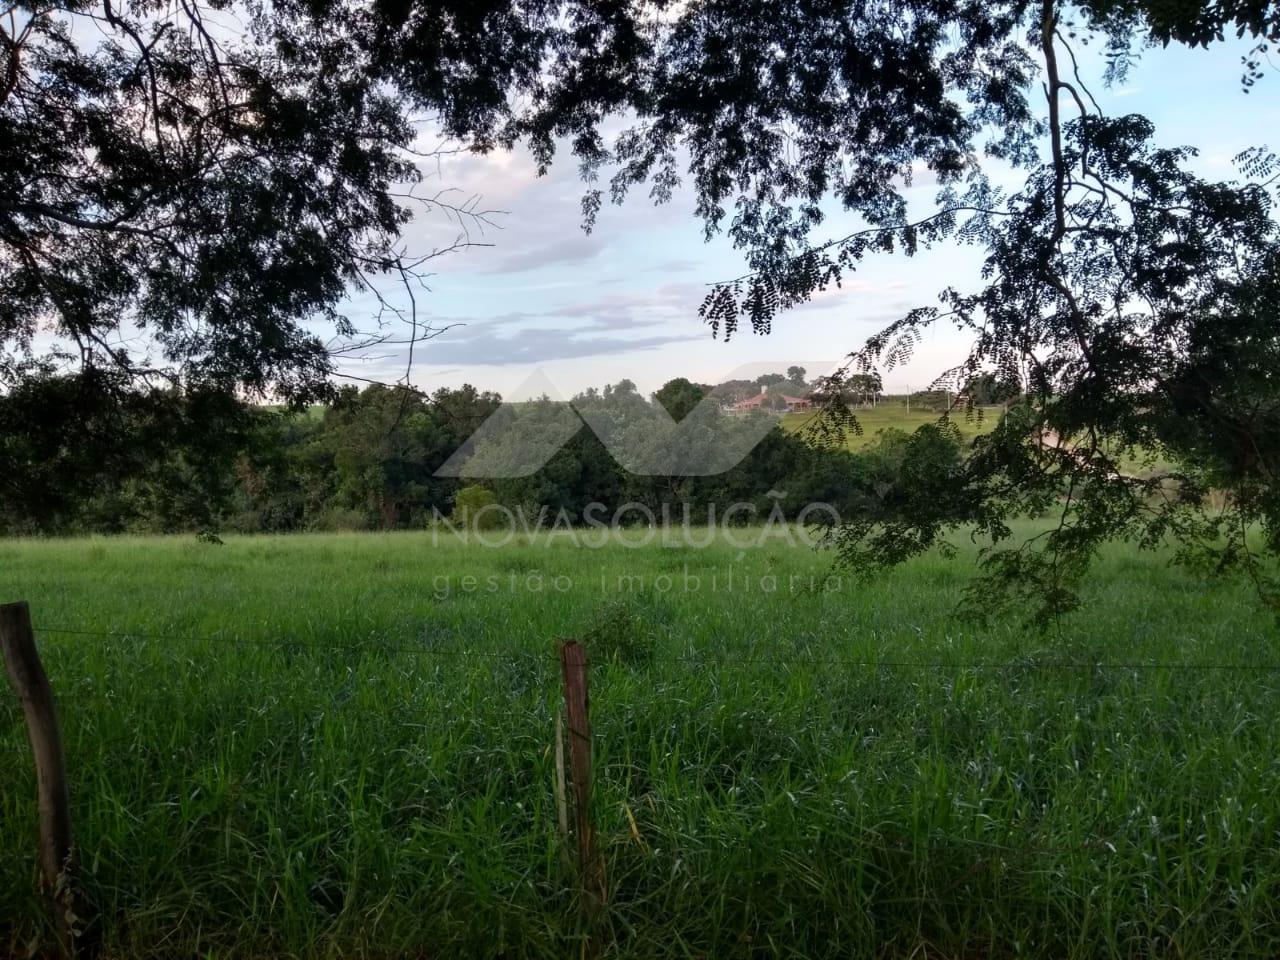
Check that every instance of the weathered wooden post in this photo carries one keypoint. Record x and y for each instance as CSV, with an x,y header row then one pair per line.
x,y
591,869
57,854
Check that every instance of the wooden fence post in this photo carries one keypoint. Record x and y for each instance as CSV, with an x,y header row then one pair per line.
x,y
57,855
591,868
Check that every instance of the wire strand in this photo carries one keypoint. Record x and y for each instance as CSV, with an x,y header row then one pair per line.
x,y
692,658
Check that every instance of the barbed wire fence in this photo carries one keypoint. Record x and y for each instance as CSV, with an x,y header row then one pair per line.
x,y
464,652
573,738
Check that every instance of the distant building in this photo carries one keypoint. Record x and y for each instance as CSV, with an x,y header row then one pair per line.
x,y
757,402
749,405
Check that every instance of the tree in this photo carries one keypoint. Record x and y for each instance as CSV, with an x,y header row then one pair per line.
x,y
283,475
55,466
470,508
865,388
189,203
1141,300
732,391
991,387
219,197
789,388
212,195
939,401
796,374
774,400
376,440
678,397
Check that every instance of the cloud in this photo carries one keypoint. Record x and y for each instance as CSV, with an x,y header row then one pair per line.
x,y
530,345
618,324
569,249
669,303
540,223
682,265
672,303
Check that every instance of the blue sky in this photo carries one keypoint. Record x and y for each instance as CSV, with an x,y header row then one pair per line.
x,y
622,302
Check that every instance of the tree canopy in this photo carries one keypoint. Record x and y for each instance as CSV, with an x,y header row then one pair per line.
x,y
1133,302
192,188
193,192
372,458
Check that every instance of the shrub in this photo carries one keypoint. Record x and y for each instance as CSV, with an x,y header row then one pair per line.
x,y
619,632
468,505
336,519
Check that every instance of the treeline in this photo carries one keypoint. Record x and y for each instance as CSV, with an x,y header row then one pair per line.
x,y
369,461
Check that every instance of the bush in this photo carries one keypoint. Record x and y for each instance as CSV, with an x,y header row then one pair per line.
x,y
245,521
468,505
619,632
336,519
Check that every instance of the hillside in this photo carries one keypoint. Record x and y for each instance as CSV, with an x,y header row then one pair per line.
x,y
896,415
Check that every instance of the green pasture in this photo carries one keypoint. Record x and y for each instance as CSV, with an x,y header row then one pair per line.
x,y
341,745
892,414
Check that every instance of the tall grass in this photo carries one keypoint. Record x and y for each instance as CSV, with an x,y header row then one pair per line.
x,y
319,746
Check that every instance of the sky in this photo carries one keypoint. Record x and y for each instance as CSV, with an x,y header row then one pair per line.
x,y
543,307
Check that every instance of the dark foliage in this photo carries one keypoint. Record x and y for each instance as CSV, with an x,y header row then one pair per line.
x,y
368,461
192,192
1132,303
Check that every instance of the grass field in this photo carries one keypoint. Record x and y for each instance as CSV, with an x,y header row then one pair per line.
x,y
339,745
892,414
